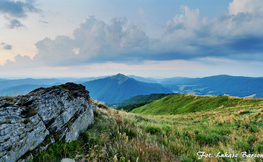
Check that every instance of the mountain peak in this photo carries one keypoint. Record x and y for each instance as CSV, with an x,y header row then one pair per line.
x,y
120,77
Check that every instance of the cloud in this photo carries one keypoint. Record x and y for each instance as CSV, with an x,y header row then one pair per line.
x,y
14,23
236,35
142,13
96,41
45,22
18,9
57,52
243,6
20,62
6,46
226,36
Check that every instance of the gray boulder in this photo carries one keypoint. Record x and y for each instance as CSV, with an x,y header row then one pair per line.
x,y
25,121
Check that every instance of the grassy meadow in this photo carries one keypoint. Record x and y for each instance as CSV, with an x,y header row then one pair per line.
x,y
121,136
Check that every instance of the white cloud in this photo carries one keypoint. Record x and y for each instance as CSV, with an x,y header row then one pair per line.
x,y
20,62
186,37
57,52
243,6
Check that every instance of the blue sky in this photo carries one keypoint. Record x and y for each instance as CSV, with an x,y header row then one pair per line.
x,y
151,38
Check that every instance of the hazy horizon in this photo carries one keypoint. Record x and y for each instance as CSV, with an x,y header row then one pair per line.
x,y
102,76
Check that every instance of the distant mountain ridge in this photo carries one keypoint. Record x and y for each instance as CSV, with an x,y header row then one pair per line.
x,y
11,87
213,85
119,87
4,83
221,85
19,89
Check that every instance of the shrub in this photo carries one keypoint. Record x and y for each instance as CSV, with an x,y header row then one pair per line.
x,y
100,105
245,112
252,139
196,131
185,158
211,139
243,146
259,147
96,113
224,131
153,129
253,129
130,132
167,129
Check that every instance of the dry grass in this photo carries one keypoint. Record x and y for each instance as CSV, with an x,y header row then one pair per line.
x,y
121,136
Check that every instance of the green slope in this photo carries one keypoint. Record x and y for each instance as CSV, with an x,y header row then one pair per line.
x,y
139,98
181,103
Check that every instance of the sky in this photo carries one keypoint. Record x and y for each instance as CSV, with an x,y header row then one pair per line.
x,y
149,38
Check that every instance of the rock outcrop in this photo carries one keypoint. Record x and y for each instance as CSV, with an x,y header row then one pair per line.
x,y
26,120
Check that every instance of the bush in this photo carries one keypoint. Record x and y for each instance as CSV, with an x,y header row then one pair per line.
x,y
185,158
211,139
130,132
253,129
224,131
196,131
96,113
100,105
245,112
252,139
167,129
243,146
259,147
153,129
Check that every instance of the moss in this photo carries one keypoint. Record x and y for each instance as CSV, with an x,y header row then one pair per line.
x,y
27,120
70,123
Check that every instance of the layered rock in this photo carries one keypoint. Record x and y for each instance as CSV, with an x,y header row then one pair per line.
x,y
25,121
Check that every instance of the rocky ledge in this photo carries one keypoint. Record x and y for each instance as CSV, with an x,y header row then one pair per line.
x,y
56,112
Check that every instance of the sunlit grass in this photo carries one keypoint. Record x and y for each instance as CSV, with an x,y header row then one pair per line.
x,y
121,136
